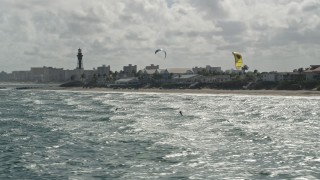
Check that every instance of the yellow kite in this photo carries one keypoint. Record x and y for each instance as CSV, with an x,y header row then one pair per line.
x,y
238,60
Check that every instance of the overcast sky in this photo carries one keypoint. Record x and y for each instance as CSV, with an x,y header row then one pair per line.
x,y
279,35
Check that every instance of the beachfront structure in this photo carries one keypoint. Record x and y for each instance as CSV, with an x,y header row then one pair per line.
x,y
103,70
207,69
313,73
146,75
39,74
152,67
159,75
216,78
47,74
233,71
20,76
188,78
283,76
179,71
290,76
163,75
269,76
130,70
127,81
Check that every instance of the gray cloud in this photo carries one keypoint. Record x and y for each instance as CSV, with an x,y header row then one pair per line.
x,y
115,33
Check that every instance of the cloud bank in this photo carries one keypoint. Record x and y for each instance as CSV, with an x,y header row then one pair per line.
x,y
271,35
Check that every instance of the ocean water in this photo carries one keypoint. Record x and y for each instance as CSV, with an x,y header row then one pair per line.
x,y
99,135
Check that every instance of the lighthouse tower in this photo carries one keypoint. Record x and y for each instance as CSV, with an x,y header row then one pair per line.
x,y
80,65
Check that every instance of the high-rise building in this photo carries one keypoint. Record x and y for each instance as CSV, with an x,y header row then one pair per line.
x,y
130,70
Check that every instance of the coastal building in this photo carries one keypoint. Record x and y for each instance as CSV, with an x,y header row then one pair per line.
x,y
103,70
20,76
130,70
233,71
290,76
163,75
207,69
269,76
216,78
188,78
126,81
179,71
74,75
155,75
283,76
312,73
151,67
146,75
46,74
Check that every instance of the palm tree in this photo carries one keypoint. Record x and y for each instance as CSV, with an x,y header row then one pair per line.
x,y
244,68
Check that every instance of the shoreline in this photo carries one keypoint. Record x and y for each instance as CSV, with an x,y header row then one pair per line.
x,y
195,91
56,87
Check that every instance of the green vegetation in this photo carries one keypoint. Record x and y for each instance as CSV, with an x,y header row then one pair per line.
x,y
243,80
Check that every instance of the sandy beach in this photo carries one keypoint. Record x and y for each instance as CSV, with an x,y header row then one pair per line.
x,y
198,91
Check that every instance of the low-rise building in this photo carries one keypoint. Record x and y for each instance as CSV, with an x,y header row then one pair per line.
x,y
179,71
290,76
269,76
146,75
313,73
188,78
127,81
207,69
216,78
283,76
152,66
234,71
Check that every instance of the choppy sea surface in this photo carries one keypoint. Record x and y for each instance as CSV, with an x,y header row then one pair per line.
x,y
100,135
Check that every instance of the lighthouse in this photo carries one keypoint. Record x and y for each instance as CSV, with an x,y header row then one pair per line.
x,y
80,65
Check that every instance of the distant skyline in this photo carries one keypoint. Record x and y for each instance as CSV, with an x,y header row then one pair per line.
x,y
271,35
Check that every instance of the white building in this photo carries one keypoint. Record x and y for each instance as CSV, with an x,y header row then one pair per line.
x,y
269,76
313,73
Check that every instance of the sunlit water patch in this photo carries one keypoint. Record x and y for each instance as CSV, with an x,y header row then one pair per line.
x,y
96,135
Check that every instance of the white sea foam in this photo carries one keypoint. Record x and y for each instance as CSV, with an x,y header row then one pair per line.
x,y
218,136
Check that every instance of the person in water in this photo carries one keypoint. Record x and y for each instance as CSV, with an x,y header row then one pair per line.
x,y
180,113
